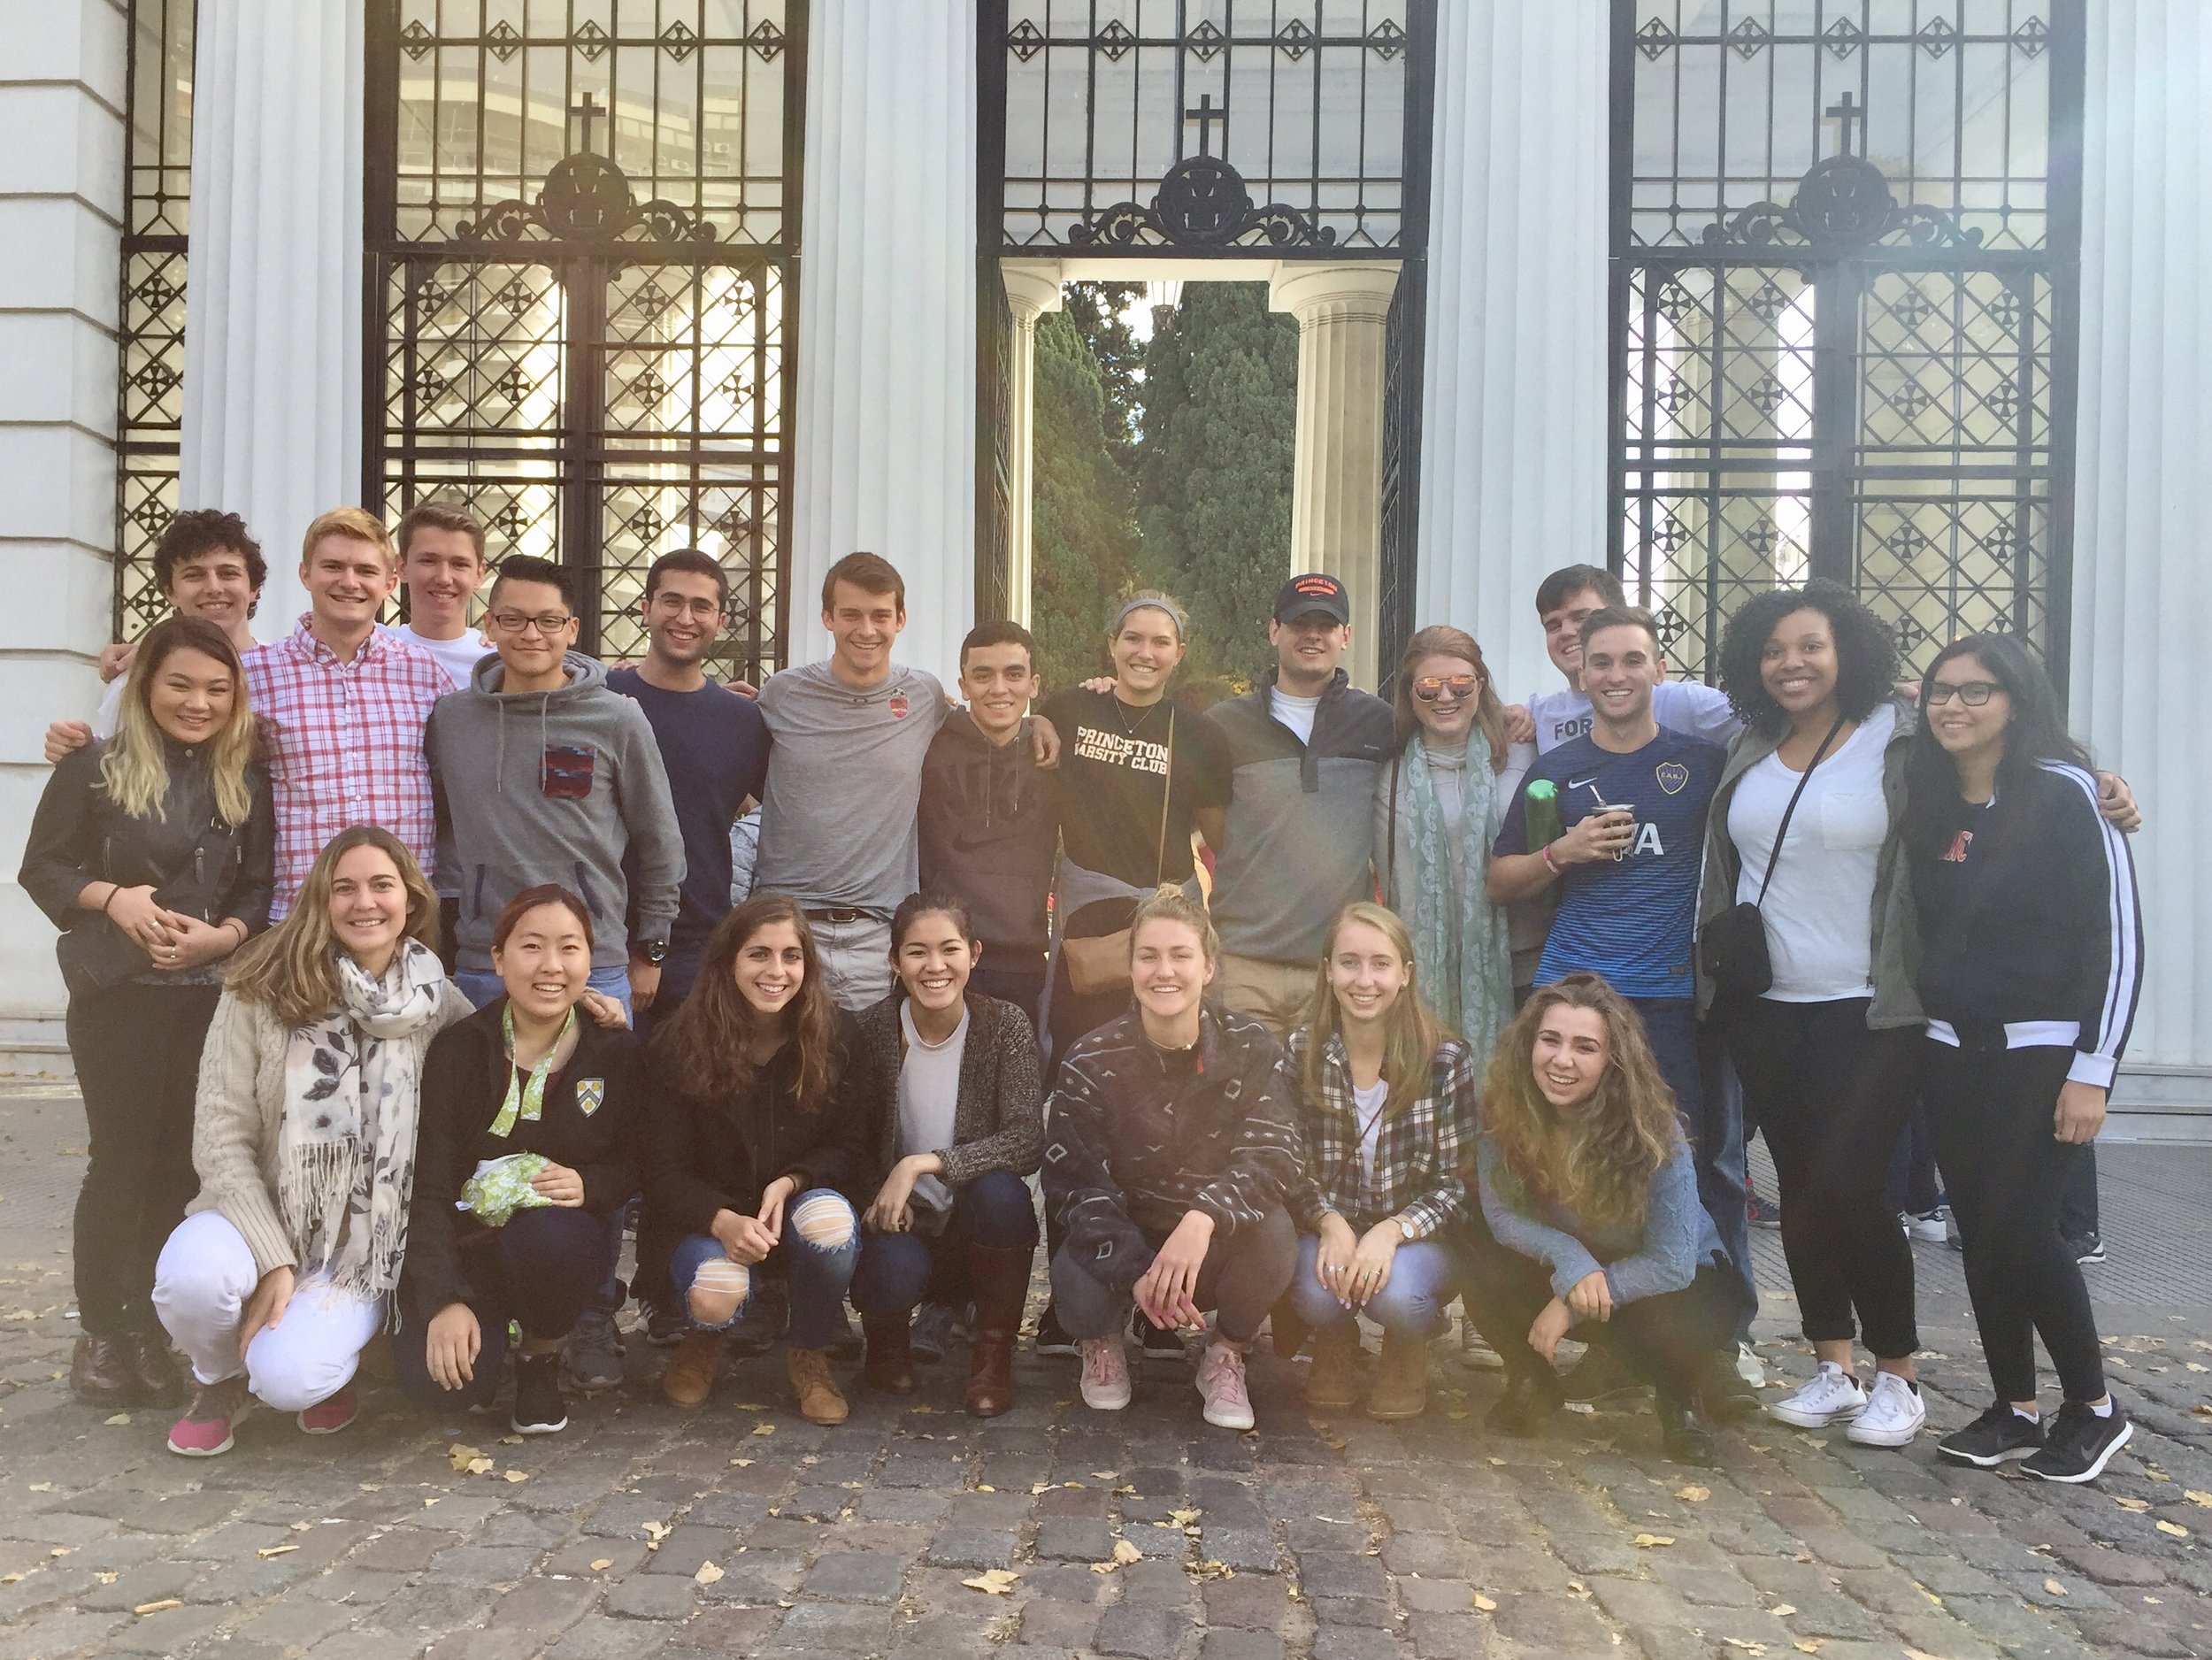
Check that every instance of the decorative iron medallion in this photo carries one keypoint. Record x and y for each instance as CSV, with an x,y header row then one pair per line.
x,y
1201,202
1841,203
587,199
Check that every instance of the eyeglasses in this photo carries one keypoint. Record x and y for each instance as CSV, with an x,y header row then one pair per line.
x,y
704,609
1973,694
515,622
1433,689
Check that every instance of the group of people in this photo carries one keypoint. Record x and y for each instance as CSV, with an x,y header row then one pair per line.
x,y
1300,1007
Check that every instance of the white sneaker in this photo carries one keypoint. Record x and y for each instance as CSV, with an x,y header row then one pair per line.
x,y
1893,1415
1750,1367
1221,1385
1929,1227
1105,1374
1832,1395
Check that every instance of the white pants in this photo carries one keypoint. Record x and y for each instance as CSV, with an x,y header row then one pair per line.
x,y
201,1284
855,960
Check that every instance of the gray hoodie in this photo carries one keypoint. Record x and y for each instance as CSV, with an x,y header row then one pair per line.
x,y
553,787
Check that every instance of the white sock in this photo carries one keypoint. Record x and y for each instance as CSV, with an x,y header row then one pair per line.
x,y
2032,1417
2105,1411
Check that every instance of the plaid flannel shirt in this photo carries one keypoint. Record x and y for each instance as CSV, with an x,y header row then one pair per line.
x,y
343,742
1424,1155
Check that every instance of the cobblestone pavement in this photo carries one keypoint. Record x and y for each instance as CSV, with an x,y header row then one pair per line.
x,y
740,1529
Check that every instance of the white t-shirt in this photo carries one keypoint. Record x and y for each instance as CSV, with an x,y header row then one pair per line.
x,y
1686,706
1295,712
929,1099
1370,1103
1819,910
457,656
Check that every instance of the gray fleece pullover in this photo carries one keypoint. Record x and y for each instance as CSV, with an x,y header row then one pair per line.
x,y
553,787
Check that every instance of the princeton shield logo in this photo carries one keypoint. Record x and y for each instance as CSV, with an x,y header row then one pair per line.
x,y
589,1093
1672,775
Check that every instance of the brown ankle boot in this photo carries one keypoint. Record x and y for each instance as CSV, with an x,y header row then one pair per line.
x,y
999,1276
100,1371
820,1401
890,1363
154,1370
689,1377
1402,1382
1332,1383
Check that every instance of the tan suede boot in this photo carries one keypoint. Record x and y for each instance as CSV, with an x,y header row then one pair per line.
x,y
1333,1380
689,1377
820,1402
1402,1382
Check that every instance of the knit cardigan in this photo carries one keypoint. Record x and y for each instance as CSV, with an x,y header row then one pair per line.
x,y
998,1122
240,1109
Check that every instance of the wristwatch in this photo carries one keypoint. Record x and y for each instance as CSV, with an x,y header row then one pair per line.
x,y
653,951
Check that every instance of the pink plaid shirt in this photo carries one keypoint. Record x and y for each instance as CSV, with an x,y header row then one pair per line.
x,y
344,745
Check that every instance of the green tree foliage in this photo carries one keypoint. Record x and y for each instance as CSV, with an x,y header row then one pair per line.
x,y
1084,534
1099,313
1220,402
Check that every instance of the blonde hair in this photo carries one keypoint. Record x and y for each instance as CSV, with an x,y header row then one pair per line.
x,y
134,767
1412,1035
1167,903
1441,639
292,968
357,522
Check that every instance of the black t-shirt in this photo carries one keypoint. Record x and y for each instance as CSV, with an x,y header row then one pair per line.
x,y
1113,762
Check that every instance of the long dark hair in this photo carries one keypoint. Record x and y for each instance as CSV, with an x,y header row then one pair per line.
x,y
704,1050
1866,656
2037,732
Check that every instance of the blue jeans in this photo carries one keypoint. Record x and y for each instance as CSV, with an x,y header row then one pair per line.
x,y
1712,1116
818,1274
1424,1276
897,1271
481,986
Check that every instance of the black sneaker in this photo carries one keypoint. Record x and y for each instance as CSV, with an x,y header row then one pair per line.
x,y
1157,1343
1531,1395
1600,1375
2080,1444
539,1409
1052,1337
664,1328
2086,1248
846,1344
760,1323
1686,1435
1998,1435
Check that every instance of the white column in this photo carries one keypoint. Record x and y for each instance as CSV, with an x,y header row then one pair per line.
x,y
886,413
273,320
1343,313
1033,288
1513,447
62,65
2143,453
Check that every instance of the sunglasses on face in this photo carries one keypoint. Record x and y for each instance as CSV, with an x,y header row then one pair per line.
x,y
1973,694
1433,688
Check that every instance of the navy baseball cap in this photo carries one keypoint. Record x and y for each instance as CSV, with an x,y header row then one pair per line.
x,y
1316,591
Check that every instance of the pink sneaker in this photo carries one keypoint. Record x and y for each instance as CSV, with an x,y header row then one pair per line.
x,y
204,1431
1221,1385
328,1417
1105,1374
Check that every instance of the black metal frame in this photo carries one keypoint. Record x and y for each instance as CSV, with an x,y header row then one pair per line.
x,y
1405,369
621,294
156,255
1926,287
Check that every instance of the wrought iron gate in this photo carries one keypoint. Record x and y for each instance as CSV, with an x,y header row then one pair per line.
x,y
582,220
1844,236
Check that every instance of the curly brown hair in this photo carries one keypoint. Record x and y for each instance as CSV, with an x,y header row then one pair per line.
x,y
704,1050
1599,1161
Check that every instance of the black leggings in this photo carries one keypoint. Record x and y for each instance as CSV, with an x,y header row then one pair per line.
x,y
137,1050
1833,1099
539,1270
1668,1340
1244,1275
1990,1112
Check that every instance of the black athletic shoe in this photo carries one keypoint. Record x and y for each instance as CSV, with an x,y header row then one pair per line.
x,y
2086,1248
1052,1337
1531,1397
760,1323
2080,1444
1600,1375
1998,1435
539,1409
664,1328
1685,1435
1157,1343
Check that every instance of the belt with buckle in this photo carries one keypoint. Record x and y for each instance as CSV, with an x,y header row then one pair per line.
x,y
840,913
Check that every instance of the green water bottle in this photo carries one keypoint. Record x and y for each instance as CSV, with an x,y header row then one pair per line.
x,y
1543,814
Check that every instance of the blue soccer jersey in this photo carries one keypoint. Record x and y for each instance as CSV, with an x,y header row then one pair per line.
x,y
1632,921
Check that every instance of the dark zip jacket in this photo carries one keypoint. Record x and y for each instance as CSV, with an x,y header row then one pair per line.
x,y
987,830
593,1117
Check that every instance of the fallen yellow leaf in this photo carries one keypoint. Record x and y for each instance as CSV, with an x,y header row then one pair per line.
x,y
1810,1645
122,1418
750,1406
708,1574
2174,1528
1125,1553
741,1463
1213,1571
41,1486
155,1608
13,1579
992,1581
1647,1541
107,1576
2055,1587
601,1564
276,1550
461,1455
1783,1610
517,1475
2138,1505
1184,1518
2195,1497
763,1429
1487,1604
1694,1495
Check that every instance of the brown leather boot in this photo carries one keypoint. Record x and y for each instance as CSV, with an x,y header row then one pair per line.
x,y
689,1377
1332,1384
1402,1382
820,1401
99,1372
999,1276
890,1363
154,1370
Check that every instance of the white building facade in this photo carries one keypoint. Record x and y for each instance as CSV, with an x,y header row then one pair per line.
x,y
1721,292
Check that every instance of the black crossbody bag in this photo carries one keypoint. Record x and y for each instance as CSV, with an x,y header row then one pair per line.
x,y
1733,949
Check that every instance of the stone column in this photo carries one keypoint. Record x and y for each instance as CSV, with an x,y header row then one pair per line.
x,y
1336,500
2143,453
273,320
1513,438
61,66
1033,288
886,327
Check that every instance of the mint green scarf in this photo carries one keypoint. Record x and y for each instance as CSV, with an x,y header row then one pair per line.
x,y
525,1093
1460,948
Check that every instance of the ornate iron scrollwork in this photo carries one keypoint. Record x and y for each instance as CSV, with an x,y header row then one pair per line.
x,y
1841,203
587,199
1202,202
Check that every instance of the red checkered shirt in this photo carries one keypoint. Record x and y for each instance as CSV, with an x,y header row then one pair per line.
x,y
344,745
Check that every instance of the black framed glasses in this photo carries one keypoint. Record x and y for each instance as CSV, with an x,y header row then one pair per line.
x,y
515,622
1433,688
1973,694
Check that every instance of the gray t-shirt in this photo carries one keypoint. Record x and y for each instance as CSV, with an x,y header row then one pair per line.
x,y
844,778
929,1101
